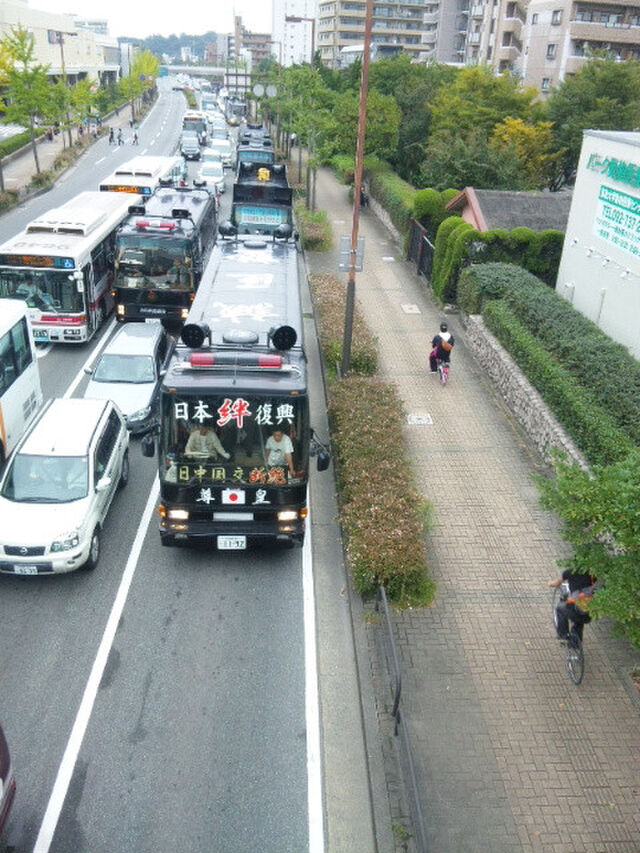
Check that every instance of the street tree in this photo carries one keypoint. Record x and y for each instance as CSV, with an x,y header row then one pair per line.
x,y
532,145
601,522
382,126
27,88
604,95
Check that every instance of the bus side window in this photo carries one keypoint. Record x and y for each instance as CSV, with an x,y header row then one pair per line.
x,y
7,367
21,346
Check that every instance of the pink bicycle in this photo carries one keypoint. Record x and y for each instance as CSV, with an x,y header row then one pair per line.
x,y
443,371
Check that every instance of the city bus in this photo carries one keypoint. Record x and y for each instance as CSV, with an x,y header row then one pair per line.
x,y
61,265
235,438
262,199
196,120
20,391
143,175
160,252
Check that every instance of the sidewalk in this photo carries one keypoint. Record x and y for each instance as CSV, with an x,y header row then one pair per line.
x,y
18,171
510,756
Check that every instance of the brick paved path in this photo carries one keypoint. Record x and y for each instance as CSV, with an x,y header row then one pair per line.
x,y
510,755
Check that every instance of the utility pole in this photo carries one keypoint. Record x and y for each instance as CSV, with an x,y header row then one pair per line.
x,y
362,122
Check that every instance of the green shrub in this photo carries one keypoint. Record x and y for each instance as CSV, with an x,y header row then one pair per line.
x,y
429,208
329,298
315,230
8,199
45,178
394,195
379,507
447,226
343,166
590,425
8,146
479,283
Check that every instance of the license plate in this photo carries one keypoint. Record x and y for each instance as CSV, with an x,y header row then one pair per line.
x,y
23,569
232,543
40,335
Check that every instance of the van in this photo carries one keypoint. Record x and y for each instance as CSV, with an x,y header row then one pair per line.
x,y
58,486
129,373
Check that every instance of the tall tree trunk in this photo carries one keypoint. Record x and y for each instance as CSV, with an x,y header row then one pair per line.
x,y
34,147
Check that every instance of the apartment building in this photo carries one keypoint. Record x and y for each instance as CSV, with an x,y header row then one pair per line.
x,y
294,29
252,46
542,41
396,26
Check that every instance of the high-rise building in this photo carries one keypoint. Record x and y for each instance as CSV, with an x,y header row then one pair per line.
x,y
396,26
294,24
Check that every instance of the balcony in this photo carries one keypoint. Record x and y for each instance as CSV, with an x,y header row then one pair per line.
x,y
473,38
477,10
431,18
615,33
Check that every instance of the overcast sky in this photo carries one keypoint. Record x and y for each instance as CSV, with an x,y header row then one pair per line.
x,y
140,18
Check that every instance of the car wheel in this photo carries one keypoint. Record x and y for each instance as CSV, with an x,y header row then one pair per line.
x,y
124,473
94,551
167,541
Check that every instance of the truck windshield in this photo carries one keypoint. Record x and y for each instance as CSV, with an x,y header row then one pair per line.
x,y
232,438
144,261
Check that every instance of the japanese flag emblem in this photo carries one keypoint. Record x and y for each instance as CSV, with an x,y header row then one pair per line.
x,y
233,496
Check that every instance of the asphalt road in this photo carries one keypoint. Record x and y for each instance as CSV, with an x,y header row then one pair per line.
x,y
195,736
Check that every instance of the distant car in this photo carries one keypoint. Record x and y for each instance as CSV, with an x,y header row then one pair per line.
x,y
212,173
218,132
209,155
226,150
58,486
129,373
190,145
7,781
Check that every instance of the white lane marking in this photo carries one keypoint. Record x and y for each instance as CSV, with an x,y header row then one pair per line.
x,y
100,160
312,711
81,373
70,757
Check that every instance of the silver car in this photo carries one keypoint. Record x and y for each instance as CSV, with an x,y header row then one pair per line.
x,y
129,373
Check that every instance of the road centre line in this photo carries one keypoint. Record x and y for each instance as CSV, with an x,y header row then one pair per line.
x,y
81,373
70,756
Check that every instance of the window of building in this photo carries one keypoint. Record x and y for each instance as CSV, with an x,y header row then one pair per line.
x,y
551,51
534,18
545,85
556,17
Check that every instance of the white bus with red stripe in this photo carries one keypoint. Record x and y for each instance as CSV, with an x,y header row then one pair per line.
x,y
61,265
20,390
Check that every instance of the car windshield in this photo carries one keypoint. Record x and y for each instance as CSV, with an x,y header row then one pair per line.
x,y
46,479
213,169
133,369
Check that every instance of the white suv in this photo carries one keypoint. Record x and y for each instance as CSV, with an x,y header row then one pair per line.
x,y
58,486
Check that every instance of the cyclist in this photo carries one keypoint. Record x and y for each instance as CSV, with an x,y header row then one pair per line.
x,y
571,609
442,344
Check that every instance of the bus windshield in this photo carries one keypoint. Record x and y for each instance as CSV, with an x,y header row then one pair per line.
x,y
152,260
55,291
232,438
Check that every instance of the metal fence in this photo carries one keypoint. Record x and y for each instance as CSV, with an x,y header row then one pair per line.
x,y
407,766
420,249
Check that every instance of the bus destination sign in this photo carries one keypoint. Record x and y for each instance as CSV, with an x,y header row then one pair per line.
x,y
37,261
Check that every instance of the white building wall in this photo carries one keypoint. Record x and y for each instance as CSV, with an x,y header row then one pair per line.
x,y
600,266
295,38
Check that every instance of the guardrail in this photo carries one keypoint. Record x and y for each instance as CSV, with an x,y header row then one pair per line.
x,y
407,766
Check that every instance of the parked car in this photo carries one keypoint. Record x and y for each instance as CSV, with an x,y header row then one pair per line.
x,y
58,486
129,373
212,173
7,781
190,145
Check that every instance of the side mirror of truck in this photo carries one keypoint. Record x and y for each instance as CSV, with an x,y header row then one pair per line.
x,y
148,446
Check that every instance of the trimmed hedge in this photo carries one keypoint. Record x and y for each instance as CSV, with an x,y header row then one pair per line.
x,y
590,425
330,296
391,192
379,508
429,208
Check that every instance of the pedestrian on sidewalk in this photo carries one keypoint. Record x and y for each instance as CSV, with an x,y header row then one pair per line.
x,y
120,139
134,140
112,139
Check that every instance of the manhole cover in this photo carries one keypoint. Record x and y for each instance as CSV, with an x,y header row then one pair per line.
x,y
419,420
410,309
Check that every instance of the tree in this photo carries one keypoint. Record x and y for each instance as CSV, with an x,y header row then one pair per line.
x,y
477,100
601,521
604,95
456,160
340,129
28,88
532,145
142,76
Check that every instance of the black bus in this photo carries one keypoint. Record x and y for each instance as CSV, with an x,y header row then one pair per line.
x,y
161,251
262,199
258,151
235,437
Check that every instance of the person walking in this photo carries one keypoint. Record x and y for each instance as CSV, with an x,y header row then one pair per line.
x,y
120,139
112,139
134,139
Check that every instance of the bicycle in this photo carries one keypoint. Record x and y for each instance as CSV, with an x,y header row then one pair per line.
x,y
443,371
575,652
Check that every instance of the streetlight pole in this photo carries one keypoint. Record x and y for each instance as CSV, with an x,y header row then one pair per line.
x,y
362,121
60,36
298,19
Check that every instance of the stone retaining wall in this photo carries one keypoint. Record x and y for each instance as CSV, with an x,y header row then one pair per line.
x,y
520,396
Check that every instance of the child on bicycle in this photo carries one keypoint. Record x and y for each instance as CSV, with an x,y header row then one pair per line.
x,y
571,608
442,344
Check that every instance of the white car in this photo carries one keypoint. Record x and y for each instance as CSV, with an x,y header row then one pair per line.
x,y
210,154
58,486
212,174
226,150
